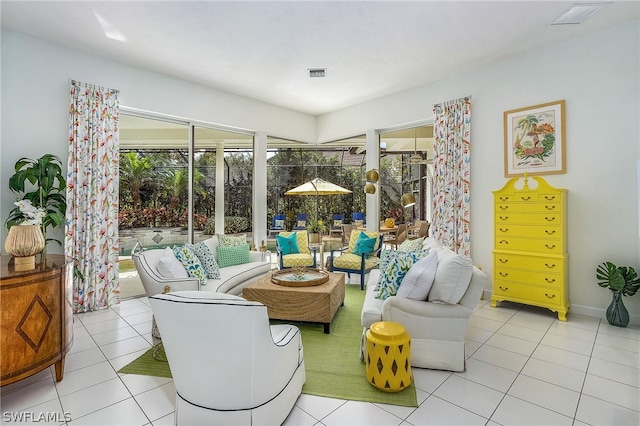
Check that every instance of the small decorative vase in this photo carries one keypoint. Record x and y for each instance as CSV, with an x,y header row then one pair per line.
x,y
617,313
389,222
23,243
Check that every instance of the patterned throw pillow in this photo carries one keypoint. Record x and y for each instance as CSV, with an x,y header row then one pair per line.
x,y
337,223
279,223
236,255
411,245
399,263
231,240
364,244
288,244
302,223
191,263
355,234
206,258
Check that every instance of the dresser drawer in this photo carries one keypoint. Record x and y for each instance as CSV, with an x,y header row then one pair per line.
x,y
547,279
551,218
534,231
527,207
528,293
503,260
542,246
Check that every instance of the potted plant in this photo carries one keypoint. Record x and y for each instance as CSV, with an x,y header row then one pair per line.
x,y
316,228
622,281
42,183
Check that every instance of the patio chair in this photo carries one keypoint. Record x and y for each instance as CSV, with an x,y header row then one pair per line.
x,y
423,232
359,257
336,225
396,239
302,220
278,224
294,251
358,219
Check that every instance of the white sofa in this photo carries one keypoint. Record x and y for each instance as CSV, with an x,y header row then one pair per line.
x,y
232,278
437,330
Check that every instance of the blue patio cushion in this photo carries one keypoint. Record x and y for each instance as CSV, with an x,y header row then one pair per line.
x,y
364,244
303,240
355,234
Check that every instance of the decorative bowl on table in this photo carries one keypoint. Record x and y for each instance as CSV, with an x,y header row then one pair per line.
x,y
299,277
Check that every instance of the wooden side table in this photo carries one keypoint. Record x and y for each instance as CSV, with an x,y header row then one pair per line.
x,y
36,317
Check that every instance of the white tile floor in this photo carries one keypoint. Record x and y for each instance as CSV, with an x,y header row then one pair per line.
x,y
523,367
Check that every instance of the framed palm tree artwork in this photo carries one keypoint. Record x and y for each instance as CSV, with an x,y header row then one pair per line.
x,y
534,140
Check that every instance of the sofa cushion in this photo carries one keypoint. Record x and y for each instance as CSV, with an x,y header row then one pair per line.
x,y
233,277
372,307
169,266
231,240
234,255
288,244
399,264
191,263
452,277
207,259
418,280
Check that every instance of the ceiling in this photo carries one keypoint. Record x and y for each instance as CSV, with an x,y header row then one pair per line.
x,y
263,50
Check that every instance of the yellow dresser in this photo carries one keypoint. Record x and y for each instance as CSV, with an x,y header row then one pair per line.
x,y
530,259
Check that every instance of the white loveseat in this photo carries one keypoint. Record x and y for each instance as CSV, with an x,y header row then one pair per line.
x,y
232,278
437,330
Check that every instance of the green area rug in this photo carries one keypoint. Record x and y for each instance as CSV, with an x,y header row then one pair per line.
x,y
332,361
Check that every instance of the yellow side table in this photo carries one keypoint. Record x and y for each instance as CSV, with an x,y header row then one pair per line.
x,y
388,356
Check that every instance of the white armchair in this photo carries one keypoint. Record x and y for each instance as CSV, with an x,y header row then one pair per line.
x,y
228,364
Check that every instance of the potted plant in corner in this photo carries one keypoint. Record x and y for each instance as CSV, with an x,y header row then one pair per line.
x,y
622,281
42,183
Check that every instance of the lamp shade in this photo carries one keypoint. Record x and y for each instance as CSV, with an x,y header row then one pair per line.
x,y
408,200
369,188
372,175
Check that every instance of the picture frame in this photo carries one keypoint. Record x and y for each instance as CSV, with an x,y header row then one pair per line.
x,y
534,140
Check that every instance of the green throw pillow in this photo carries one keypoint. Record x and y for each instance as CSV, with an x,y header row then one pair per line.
x,y
231,240
191,263
364,244
236,255
288,244
411,245
398,264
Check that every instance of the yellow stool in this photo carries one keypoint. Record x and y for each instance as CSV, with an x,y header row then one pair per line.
x,y
388,356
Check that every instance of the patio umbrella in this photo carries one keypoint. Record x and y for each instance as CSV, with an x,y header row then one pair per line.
x,y
318,187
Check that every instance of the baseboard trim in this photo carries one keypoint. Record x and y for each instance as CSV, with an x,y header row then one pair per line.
x,y
588,311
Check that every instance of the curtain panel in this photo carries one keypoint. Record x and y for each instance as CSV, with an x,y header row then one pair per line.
x,y
91,236
452,173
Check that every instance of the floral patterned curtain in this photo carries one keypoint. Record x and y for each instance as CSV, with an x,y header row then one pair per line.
x,y
452,172
91,236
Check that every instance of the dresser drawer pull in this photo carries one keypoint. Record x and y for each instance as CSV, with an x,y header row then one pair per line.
x,y
504,242
525,198
550,297
503,288
503,217
504,198
550,247
553,231
504,207
549,207
553,265
549,197
550,281
504,229
503,260
503,274
550,219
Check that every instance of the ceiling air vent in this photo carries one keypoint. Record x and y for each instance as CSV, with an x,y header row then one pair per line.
x,y
578,13
317,72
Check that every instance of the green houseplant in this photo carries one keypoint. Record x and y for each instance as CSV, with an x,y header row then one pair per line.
x,y
622,281
42,183
316,228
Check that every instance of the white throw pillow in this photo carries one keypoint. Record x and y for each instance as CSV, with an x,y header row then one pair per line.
x,y
169,266
418,281
452,278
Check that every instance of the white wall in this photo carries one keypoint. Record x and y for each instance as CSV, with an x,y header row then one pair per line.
x,y
597,75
